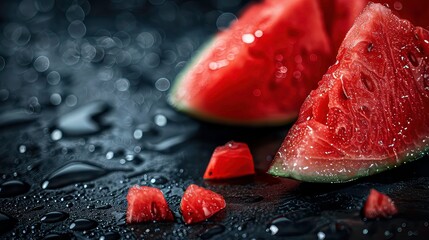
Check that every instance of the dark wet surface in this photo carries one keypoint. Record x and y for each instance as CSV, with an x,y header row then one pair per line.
x,y
83,117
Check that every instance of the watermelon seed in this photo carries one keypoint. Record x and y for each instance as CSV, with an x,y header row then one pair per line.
x,y
370,47
367,82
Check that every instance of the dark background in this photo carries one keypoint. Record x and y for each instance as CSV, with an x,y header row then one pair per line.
x,y
83,86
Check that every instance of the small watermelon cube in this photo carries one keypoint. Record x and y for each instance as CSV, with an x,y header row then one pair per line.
x,y
146,204
230,161
199,204
378,205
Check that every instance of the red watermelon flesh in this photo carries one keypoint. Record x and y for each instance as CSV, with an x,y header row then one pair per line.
x,y
199,204
339,16
147,204
370,111
230,161
379,205
260,70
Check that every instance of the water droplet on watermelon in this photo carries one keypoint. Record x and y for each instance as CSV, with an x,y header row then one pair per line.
x,y
75,172
6,223
83,224
248,38
55,216
213,231
259,33
13,188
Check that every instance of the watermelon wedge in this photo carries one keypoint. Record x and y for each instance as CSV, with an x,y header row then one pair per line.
x,y
146,204
230,161
378,205
370,111
199,204
260,70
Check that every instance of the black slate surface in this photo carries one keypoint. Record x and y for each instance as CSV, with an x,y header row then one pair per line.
x,y
83,117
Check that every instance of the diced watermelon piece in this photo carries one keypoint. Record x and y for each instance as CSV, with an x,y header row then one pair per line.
x,y
260,70
199,204
146,204
230,161
379,205
370,112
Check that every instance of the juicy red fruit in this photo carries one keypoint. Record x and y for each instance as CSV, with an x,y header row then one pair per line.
x,y
379,205
230,161
199,204
146,204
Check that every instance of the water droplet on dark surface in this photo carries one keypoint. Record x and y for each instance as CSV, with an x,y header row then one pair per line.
x,y
285,227
334,231
84,120
55,216
16,117
74,172
213,231
56,236
167,143
83,224
13,188
6,223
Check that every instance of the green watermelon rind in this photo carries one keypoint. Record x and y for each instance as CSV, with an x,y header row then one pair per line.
x,y
276,169
182,106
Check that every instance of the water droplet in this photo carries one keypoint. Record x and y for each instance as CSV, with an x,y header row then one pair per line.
x,y
160,120
248,38
258,33
13,188
225,20
145,40
71,100
162,84
41,64
53,217
334,230
285,227
56,135
122,84
53,78
110,236
55,99
75,12
138,134
45,5
74,172
77,29
83,224
84,120
213,231
22,148
6,223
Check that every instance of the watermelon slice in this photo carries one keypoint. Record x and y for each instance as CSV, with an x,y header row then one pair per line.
x,y
378,205
261,69
230,161
199,204
146,204
370,111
